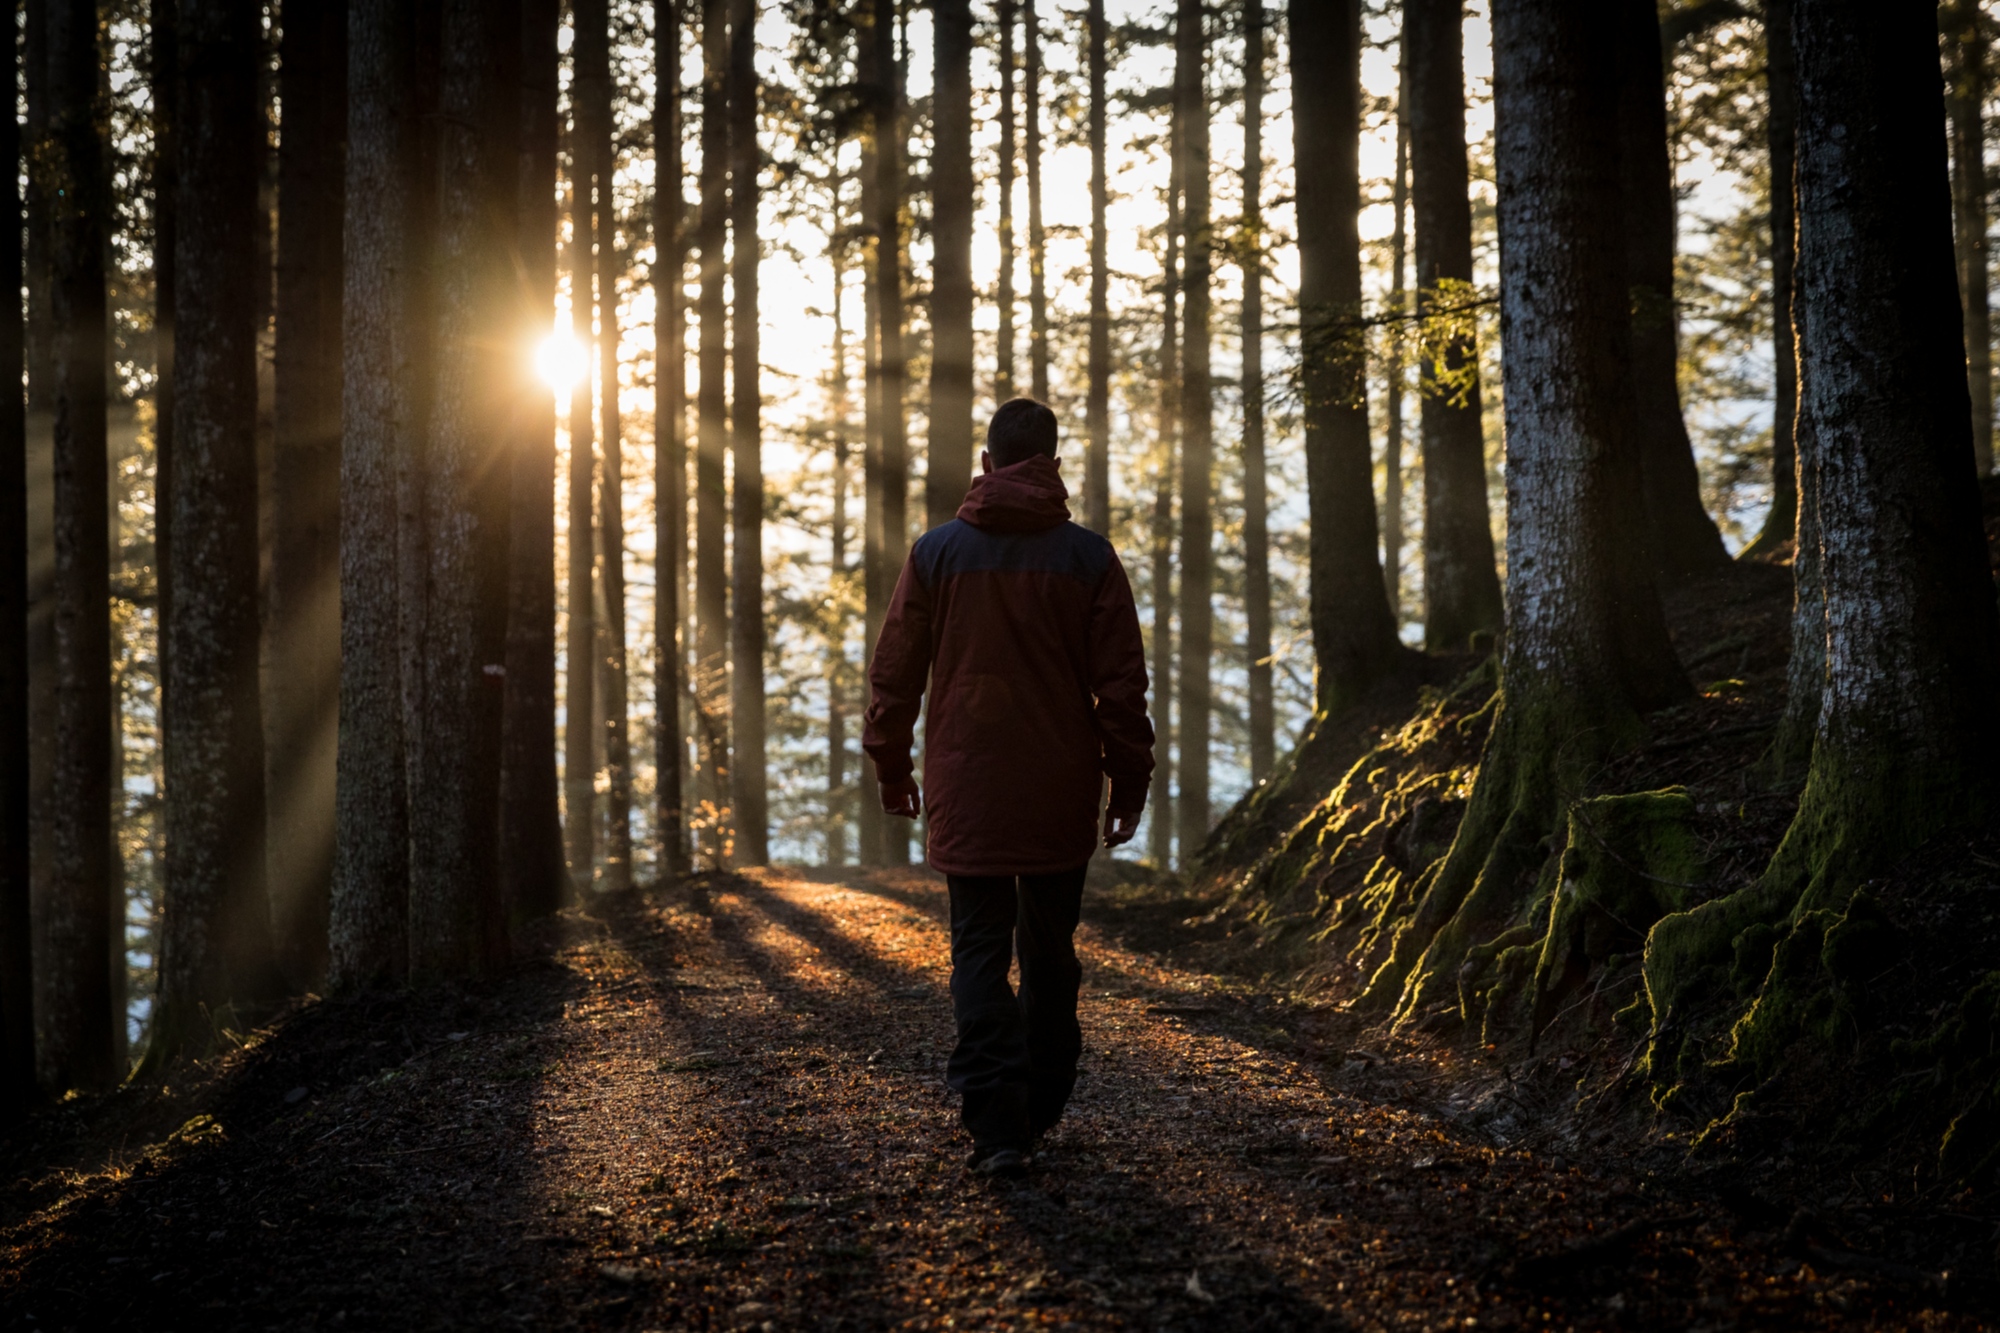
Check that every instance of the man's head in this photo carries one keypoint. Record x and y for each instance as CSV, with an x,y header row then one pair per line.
x,y
1021,429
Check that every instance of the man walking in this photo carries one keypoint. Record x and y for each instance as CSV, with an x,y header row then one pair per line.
x,y
1023,624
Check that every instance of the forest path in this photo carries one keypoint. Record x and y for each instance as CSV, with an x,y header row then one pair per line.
x,y
722,1107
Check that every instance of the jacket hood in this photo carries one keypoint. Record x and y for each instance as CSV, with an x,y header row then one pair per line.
x,y
1025,497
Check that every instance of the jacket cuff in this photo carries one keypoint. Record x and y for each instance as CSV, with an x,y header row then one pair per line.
x,y
1128,796
894,770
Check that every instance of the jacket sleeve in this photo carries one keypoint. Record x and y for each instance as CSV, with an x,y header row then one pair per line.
x,y
1118,682
897,676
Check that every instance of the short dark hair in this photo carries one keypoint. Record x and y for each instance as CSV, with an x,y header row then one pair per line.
x,y
1021,429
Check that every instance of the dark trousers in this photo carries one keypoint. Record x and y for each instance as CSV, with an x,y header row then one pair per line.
x,y
1015,1062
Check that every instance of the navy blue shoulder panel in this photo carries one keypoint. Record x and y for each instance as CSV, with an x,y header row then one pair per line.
x,y
959,548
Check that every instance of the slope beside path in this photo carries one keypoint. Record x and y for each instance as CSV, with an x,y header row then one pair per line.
x,y
721,1106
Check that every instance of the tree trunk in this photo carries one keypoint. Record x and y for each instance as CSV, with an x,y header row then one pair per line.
x,y
304,605
215,931
76,946
1003,363
1685,541
1392,379
1907,717
1197,413
711,589
531,847
457,926
1579,668
1781,134
1256,498
1461,586
39,16
1965,102
894,356
1160,827
836,657
874,578
669,446
580,655
749,789
1038,291
385,396
17,980
1354,632
1097,413
163,36
952,440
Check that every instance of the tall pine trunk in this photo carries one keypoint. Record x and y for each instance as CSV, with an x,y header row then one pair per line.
x,y
1684,538
711,588
457,926
215,931
1781,137
1097,411
531,849
1160,827
1354,631
1256,498
1003,360
164,68
893,356
1587,651
1461,585
17,981
837,794
384,400
952,439
1197,414
304,603
1392,379
875,587
1965,103
1038,289
750,786
669,446
580,649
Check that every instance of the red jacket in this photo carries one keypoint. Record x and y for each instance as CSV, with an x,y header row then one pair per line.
x,y
1024,624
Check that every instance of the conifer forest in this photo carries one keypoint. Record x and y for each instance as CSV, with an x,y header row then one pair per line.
x,y
462,458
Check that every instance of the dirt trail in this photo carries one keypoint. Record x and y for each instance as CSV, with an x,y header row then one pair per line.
x,y
722,1107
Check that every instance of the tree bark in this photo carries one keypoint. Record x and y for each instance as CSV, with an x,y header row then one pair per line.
x,y
1003,362
711,589
837,794
1781,135
17,980
163,27
1392,379
1256,498
531,847
457,927
669,446
304,603
952,440
1097,412
1354,632
893,357
215,931
1160,826
1038,290
1965,101
874,577
1461,585
580,679
385,398
1685,541
1197,413
749,789
39,16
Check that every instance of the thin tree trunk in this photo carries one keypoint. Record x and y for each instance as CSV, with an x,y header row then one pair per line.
x,y
597,163
1197,413
1781,134
163,35
304,605
836,657
1038,293
894,358
384,400
1965,102
1003,371
711,589
531,847
17,980
1097,413
1399,303
669,447
1160,828
952,440
39,16
457,926
1354,631
580,651
215,931
1256,498
1685,540
874,576
750,791
1461,584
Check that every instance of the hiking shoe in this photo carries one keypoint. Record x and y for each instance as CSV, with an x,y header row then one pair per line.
x,y
999,1163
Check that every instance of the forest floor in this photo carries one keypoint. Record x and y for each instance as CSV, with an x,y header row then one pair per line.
x,y
721,1105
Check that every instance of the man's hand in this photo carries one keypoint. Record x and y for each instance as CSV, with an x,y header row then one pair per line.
x,y
902,799
1118,829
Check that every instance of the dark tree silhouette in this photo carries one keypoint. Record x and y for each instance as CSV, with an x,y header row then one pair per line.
x,y
1097,411
17,981
1256,497
1038,287
1781,136
669,442
952,442
1964,30
711,588
749,779
1160,801
1007,12
580,703
1197,419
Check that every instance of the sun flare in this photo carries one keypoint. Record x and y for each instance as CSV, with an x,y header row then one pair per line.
x,y
559,360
